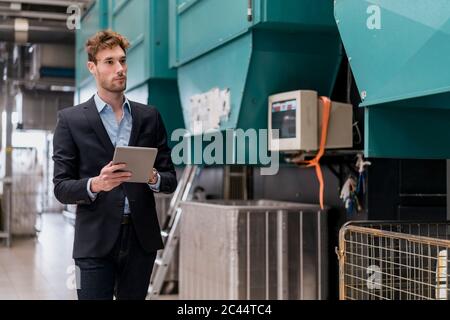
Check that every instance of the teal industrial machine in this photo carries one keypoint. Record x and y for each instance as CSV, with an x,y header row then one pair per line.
x,y
399,54
232,55
145,25
95,19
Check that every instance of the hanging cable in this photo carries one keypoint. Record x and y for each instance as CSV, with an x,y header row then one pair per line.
x,y
323,141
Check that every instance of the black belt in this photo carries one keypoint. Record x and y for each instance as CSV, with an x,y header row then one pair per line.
x,y
126,219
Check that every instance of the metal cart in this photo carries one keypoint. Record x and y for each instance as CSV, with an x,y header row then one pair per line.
x,y
392,260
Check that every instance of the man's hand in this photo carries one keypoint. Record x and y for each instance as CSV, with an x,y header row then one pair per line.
x,y
153,177
109,179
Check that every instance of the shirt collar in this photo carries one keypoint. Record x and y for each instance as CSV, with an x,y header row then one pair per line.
x,y
100,104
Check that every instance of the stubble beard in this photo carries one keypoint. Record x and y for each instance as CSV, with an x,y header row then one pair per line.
x,y
112,87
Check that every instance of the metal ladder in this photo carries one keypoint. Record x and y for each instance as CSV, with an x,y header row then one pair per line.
x,y
170,232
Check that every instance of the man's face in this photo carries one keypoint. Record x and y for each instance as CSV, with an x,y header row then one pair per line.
x,y
110,70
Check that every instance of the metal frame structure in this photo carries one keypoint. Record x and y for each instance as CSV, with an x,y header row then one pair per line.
x,y
262,249
7,210
393,260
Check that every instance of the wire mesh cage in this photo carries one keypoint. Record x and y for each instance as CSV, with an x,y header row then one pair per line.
x,y
27,190
388,260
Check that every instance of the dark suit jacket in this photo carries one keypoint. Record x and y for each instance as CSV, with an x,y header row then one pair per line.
x,y
81,148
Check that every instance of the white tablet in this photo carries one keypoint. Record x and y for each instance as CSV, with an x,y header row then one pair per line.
x,y
139,161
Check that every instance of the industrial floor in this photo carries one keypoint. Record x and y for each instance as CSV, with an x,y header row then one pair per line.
x,y
41,268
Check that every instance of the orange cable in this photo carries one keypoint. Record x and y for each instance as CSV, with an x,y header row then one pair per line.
x,y
323,140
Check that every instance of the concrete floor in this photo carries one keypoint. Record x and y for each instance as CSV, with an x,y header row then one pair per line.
x,y
40,268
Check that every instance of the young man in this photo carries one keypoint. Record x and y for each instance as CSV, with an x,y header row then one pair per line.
x,y
116,228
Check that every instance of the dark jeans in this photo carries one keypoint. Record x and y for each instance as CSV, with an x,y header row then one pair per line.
x,y
124,273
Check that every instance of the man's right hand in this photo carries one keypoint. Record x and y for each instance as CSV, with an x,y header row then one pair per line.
x,y
109,178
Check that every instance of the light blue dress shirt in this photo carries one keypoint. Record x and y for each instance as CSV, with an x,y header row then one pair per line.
x,y
119,133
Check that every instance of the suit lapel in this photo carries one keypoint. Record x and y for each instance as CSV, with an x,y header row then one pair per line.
x,y
91,112
135,114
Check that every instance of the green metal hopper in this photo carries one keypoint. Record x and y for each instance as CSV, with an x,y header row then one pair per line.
x,y
150,80
399,52
252,50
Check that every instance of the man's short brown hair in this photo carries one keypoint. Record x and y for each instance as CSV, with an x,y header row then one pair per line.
x,y
102,40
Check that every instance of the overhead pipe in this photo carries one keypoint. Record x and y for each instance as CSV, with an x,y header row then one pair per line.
x,y
20,30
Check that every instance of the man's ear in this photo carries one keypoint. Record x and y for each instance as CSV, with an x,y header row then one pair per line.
x,y
91,66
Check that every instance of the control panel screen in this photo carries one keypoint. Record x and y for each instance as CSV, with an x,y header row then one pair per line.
x,y
284,118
